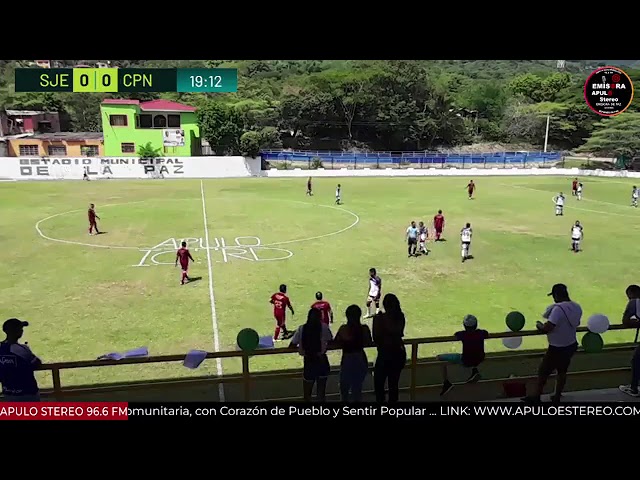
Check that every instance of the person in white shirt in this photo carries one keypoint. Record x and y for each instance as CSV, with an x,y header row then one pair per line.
x,y
579,191
465,239
635,193
375,292
312,339
559,201
577,235
338,194
563,319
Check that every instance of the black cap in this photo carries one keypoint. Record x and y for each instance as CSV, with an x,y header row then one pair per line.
x,y
559,289
318,295
13,324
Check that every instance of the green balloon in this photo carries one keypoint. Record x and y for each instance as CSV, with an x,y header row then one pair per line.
x,y
515,321
248,339
592,342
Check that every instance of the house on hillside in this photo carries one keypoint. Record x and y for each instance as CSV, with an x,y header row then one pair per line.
x,y
17,122
169,126
56,144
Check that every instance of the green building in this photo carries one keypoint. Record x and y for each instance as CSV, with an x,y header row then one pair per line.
x,y
128,125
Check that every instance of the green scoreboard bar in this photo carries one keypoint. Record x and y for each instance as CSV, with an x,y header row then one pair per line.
x,y
117,80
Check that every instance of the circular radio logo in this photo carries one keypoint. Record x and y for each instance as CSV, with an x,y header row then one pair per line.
x,y
608,91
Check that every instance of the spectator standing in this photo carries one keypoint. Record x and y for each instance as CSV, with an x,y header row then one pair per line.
x,y
630,319
352,338
388,331
312,339
563,319
17,365
472,356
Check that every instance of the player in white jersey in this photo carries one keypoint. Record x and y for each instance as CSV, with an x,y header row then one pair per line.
x,y
423,234
465,238
579,191
375,292
559,201
338,194
576,236
635,193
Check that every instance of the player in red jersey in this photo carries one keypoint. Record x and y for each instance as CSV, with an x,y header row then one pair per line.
x,y
438,225
92,220
309,189
281,302
471,187
574,187
183,256
324,307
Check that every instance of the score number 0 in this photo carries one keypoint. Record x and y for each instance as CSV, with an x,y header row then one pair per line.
x,y
95,80
198,81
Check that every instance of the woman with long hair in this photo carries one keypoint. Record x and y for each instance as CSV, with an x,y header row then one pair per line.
x,y
353,337
312,340
388,331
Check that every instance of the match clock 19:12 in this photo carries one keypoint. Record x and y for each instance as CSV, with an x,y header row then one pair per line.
x,y
222,80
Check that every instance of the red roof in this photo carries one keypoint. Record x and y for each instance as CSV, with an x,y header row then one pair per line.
x,y
166,106
121,101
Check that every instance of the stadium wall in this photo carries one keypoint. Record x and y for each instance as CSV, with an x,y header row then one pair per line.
x,y
44,168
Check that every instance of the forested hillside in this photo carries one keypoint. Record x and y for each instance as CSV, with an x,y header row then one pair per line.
x,y
379,105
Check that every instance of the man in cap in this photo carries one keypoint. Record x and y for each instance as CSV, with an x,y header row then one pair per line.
x,y
17,365
563,319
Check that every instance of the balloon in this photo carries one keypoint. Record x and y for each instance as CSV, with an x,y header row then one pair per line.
x,y
598,323
248,339
512,342
592,342
515,321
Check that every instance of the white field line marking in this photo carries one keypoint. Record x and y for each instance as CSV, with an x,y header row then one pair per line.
x,y
337,232
214,316
69,242
578,208
298,240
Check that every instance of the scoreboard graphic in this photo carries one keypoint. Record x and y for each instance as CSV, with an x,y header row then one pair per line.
x,y
116,80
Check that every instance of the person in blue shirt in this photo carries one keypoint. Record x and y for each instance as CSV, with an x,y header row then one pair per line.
x,y
412,239
17,365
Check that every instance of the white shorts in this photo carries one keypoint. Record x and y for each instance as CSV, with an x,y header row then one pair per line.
x,y
423,238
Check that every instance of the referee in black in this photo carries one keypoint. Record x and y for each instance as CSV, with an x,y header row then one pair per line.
x,y
412,239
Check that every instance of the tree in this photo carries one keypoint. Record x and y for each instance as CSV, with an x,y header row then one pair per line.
x,y
221,126
615,137
148,151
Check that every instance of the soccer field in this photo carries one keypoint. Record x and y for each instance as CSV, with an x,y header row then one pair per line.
x,y
90,295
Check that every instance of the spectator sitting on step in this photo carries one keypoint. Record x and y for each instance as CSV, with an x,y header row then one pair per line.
x,y
17,365
312,339
630,319
472,339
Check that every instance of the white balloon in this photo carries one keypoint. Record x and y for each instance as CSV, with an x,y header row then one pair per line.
x,y
512,342
598,323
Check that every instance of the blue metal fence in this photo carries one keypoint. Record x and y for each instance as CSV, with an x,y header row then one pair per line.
x,y
423,159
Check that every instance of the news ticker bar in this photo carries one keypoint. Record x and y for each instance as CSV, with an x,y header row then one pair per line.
x,y
120,80
216,411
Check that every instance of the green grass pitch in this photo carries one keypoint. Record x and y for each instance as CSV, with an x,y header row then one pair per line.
x,y
83,300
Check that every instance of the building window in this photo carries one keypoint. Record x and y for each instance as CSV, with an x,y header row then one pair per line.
x,y
128,147
118,120
173,121
159,121
145,121
29,150
57,150
89,150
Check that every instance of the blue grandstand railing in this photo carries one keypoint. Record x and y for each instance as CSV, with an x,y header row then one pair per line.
x,y
424,159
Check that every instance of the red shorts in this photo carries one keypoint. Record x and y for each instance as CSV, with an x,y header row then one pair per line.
x,y
280,318
184,267
438,229
470,192
92,223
